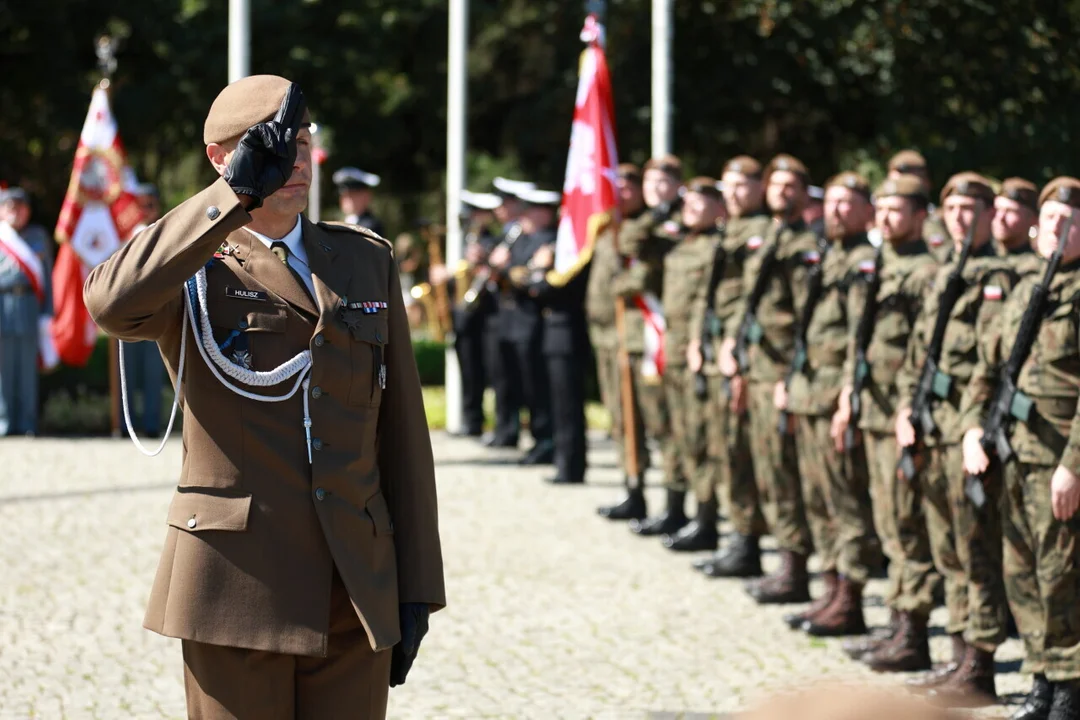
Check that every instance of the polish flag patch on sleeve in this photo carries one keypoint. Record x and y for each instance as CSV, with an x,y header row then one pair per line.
x,y
755,242
867,267
813,257
993,292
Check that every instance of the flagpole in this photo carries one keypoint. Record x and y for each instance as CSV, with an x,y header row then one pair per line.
x,y
106,54
239,39
661,77
456,99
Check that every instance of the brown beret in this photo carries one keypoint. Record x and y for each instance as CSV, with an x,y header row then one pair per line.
x,y
1064,189
668,163
242,104
630,171
908,161
904,186
969,184
1021,191
743,165
705,186
852,181
790,164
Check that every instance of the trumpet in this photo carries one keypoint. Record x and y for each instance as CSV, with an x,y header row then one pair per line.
x,y
487,278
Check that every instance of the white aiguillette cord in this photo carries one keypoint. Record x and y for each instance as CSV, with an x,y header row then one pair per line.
x,y
195,294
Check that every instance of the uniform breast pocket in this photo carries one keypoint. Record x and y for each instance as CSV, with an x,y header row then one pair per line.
x,y
253,338
367,348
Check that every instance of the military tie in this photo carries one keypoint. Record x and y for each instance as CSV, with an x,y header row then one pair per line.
x,y
281,250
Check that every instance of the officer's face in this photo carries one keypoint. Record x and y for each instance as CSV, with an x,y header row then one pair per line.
x,y
898,219
354,201
742,194
846,212
700,211
1052,217
508,210
1012,221
659,187
15,213
630,195
785,190
959,212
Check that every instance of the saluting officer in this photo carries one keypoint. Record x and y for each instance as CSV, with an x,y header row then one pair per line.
x,y
303,538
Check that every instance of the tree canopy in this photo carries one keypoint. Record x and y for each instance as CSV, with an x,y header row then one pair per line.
x,y
973,84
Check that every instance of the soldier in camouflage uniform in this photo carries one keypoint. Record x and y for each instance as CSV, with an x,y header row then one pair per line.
x,y
729,428
966,545
906,271
607,264
834,482
783,265
936,235
1042,490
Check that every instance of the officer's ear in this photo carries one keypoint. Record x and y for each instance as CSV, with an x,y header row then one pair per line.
x,y
220,154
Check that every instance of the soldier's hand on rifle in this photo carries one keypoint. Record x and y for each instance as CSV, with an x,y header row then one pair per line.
x,y
693,356
1064,493
738,394
840,421
779,396
905,431
500,257
976,460
728,366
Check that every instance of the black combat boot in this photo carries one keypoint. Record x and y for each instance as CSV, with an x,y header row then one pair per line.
x,y
789,585
666,523
1066,705
795,620
740,559
700,534
1038,703
632,506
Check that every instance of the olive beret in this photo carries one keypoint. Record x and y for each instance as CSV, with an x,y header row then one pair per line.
x,y
904,186
668,163
789,164
908,161
1021,191
743,165
1064,189
242,104
969,184
704,185
852,181
630,171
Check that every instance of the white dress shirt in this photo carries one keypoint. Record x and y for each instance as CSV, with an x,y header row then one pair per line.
x,y
297,254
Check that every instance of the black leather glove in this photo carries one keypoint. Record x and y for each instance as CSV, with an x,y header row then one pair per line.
x,y
414,626
263,161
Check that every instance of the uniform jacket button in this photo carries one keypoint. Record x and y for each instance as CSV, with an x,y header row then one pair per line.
x,y
213,213
317,444
320,494
319,340
316,392
191,522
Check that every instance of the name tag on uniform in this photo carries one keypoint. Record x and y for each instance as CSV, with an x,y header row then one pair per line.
x,y
245,294
992,292
755,242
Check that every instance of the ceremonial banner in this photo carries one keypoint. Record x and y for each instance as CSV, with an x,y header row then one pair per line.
x,y
98,212
590,196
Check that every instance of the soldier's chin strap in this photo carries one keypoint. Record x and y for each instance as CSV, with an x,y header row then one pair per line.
x,y
195,296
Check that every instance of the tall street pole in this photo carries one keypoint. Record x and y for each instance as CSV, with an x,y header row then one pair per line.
x,y
239,39
661,77
456,104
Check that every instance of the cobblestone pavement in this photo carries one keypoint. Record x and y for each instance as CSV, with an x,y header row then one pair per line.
x,y
553,611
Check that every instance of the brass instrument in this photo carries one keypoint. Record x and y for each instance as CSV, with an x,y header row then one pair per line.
x,y
435,298
487,279
422,293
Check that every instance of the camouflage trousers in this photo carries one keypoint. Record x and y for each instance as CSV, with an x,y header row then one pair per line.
x,y
966,546
729,446
689,435
609,377
901,528
1042,573
776,471
837,500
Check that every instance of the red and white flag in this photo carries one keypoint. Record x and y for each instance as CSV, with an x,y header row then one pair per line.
x,y
98,212
590,196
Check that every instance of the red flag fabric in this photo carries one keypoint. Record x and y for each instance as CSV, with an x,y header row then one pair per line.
x,y
590,196
98,212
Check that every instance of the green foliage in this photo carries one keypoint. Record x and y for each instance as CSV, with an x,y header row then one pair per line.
x,y
972,83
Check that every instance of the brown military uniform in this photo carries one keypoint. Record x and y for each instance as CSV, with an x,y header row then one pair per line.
x,y
270,558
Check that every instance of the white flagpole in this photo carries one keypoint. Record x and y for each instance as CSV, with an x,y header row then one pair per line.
x,y
457,68
661,77
239,39
314,212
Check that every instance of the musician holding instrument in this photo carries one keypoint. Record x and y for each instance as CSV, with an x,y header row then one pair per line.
x,y
964,305
1025,387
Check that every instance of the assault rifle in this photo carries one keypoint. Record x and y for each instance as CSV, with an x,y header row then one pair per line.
x,y
862,341
1009,404
710,325
815,284
933,382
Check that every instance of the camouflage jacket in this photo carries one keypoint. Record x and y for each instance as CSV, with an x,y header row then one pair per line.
x,y
989,280
1050,376
686,277
906,276
785,294
643,243
830,334
936,235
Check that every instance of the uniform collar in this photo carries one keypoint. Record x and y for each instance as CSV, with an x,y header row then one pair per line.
x,y
1024,249
293,239
914,247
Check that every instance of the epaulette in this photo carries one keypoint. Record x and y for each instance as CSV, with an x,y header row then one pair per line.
x,y
366,232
